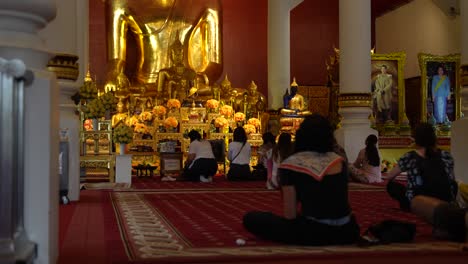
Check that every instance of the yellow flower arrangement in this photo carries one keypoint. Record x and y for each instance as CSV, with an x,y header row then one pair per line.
x,y
122,134
159,110
141,128
146,116
173,103
254,121
387,165
239,117
171,122
132,121
212,104
249,129
220,121
226,110
94,109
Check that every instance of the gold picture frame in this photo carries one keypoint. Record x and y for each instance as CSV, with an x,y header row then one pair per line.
x,y
429,64
395,63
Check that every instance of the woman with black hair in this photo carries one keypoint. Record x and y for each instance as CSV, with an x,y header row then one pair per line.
x,y
366,167
431,188
239,156
414,163
201,164
316,178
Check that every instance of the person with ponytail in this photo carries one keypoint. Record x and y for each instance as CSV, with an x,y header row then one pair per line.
x,y
431,188
366,168
419,176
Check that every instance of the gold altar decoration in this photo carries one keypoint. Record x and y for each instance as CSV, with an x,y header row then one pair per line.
x,y
424,61
464,75
65,66
156,25
354,100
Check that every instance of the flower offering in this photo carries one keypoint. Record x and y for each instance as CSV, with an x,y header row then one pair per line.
x,y
146,116
212,104
141,128
173,103
226,110
122,134
171,122
239,117
255,122
220,121
159,110
249,129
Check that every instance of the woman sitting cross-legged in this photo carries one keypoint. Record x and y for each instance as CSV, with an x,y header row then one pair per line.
x,y
431,188
317,178
239,157
200,164
366,168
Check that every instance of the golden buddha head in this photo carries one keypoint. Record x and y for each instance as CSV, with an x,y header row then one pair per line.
x,y
226,84
177,51
252,88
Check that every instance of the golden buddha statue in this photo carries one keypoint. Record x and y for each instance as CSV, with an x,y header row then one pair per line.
x,y
251,101
121,116
297,104
228,94
155,25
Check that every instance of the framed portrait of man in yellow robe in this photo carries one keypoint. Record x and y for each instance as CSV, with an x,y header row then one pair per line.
x,y
388,87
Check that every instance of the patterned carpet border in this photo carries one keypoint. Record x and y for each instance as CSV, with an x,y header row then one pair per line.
x,y
204,188
148,235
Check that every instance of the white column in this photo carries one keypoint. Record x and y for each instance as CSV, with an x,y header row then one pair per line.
x,y
71,121
459,140
19,23
279,59
68,34
123,168
355,75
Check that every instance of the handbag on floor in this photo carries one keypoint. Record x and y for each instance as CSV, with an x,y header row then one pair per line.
x,y
389,231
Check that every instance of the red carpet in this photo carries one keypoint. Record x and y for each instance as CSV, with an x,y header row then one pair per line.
x,y
199,224
176,226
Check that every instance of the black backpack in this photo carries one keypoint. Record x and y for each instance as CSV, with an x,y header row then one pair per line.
x,y
435,180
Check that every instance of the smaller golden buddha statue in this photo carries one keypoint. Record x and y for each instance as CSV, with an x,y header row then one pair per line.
x,y
121,115
252,100
297,104
228,94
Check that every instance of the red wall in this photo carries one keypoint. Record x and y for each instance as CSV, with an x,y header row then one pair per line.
x,y
314,31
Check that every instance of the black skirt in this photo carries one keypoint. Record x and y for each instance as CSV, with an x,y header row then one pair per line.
x,y
238,172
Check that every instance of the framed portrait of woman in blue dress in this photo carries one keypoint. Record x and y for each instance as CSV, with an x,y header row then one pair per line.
x,y
440,88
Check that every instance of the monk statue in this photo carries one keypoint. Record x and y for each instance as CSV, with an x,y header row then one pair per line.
x,y
296,104
255,101
155,26
120,116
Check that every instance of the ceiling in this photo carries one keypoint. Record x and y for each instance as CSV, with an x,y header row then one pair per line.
x,y
381,7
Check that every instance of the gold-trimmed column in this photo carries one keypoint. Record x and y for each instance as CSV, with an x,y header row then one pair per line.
x,y
355,75
459,141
